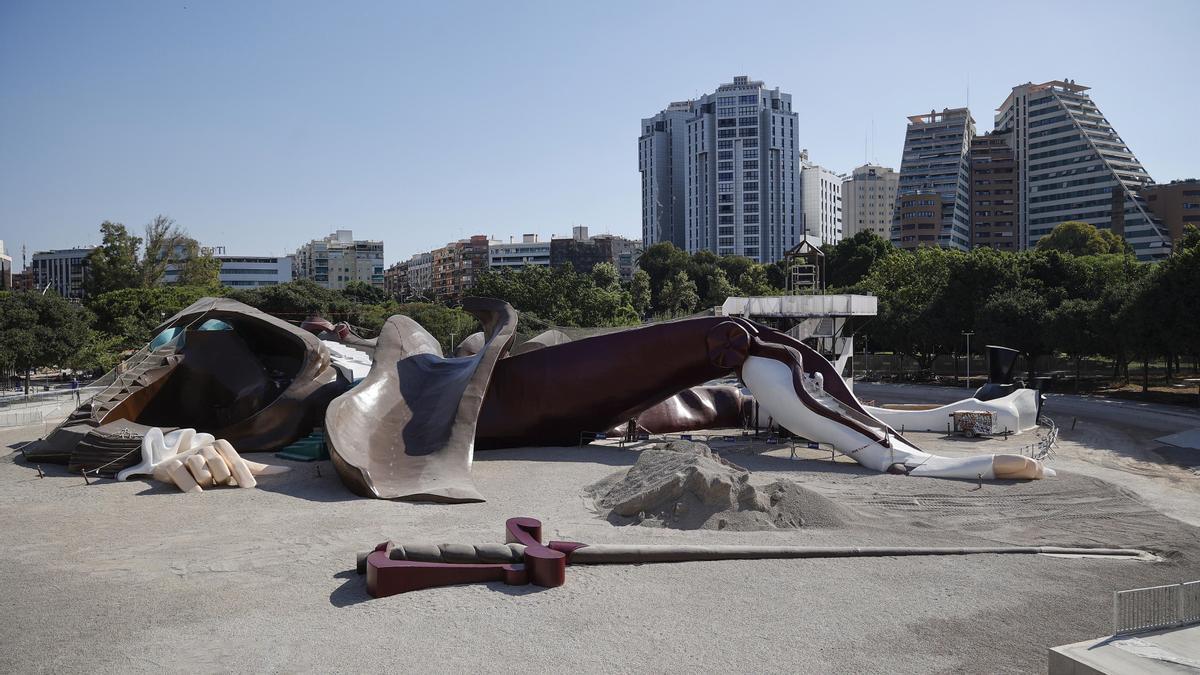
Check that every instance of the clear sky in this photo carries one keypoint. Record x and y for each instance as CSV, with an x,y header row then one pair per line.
x,y
261,125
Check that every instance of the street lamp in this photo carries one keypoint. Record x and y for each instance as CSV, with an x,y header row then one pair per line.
x,y
968,334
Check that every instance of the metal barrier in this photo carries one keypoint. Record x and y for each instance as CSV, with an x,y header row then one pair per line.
x,y
1155,608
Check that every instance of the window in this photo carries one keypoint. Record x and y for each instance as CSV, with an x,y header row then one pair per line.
x,y
727,100
749,98
750,196
750,208
748,110
749,175
750,218
750,143
750,187
750,165
724,220
747,131
724,166
724,145
726,175
725,154
724,187
747,121
725,198
726,122
727,133
750,154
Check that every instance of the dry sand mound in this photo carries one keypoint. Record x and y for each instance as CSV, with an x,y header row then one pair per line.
x,y
684,485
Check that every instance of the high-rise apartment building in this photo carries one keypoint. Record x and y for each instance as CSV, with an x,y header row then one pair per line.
x,y
869,200
340,259
741,172
1069,160
821,194
933,196
662,161
63,270
242,271
994,192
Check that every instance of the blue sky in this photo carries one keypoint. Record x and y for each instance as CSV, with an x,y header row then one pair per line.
x,y
260,125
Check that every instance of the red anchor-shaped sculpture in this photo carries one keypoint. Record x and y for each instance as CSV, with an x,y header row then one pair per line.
x,y
539,564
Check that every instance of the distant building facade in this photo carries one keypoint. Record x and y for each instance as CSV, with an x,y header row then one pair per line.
x,y
395,280
821,191
6,269
583,252
869,200
1069,161
994,198
740,172
63,270
933,196
340,259
529,252
662,162
1175,204
456,265
242,271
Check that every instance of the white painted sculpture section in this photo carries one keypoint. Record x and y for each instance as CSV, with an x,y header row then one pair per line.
x,y
194,461
1016,412
353,363
771,382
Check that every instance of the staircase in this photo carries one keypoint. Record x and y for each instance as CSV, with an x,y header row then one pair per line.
x,y
128,382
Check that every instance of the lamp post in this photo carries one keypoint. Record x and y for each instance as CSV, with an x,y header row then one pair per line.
x,y
968,334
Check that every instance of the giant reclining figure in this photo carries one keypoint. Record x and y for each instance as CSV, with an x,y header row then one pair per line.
x,y
409,431
409,428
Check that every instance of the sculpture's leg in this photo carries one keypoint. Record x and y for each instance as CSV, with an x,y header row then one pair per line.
x,y
549,396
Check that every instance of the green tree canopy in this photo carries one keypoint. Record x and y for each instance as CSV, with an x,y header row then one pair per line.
x,y
38,331
1080,238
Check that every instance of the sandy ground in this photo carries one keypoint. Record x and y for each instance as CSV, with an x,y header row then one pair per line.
x,y
135,577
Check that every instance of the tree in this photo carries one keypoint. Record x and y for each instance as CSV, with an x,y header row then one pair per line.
x,y
165,245
197,266
639,291
1073,325
850,260
719,288
130,315
38,330
754,281
297,300
1080,238
678,295
1017,318
448,325
114,264
364,293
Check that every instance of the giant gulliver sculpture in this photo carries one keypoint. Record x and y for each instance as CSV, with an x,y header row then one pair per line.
x,y
410,427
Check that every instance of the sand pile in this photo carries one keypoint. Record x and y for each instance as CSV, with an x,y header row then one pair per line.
x,y
684,485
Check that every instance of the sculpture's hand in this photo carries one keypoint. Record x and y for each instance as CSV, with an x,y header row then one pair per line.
x,y
195,461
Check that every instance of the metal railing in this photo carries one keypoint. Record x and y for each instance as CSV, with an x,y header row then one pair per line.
x,y
1155,608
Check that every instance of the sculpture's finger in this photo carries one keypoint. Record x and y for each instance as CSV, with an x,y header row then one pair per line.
x,y
237,465
199,468
216,465
181,476
260,469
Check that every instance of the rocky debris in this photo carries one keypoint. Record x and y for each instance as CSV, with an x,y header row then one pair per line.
x,y
685,485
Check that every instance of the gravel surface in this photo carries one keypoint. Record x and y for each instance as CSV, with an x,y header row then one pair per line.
x,y
136,577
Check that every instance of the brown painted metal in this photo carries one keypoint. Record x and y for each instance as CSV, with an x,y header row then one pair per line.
x,y
408,430
548,396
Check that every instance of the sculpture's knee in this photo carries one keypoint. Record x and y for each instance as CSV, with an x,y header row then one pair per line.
x,y
728,345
